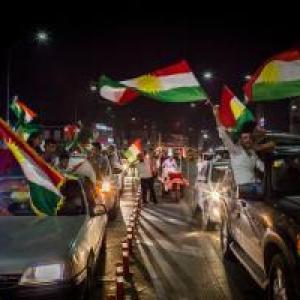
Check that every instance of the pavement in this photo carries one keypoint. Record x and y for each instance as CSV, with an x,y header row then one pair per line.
x,y
175,259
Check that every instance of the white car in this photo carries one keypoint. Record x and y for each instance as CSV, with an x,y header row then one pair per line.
x,y
209,191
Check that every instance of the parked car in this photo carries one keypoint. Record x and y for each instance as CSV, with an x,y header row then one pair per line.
x,y
49,257
262,229
209,191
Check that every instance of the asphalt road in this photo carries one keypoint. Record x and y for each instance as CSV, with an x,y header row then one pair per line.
x,y
185,262
174,258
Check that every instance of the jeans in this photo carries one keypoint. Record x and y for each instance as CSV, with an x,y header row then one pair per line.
x,y
147,184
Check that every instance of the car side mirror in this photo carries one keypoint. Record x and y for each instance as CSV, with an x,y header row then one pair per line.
x,y
98,210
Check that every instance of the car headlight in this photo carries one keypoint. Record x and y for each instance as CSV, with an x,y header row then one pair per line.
x,y
106,186
215,196
43,274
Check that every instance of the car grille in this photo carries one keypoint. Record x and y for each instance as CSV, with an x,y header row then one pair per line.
x,y
9,281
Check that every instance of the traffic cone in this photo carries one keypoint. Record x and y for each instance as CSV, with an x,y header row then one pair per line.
x,y
119,282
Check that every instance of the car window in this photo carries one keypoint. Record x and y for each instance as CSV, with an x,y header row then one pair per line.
x,y
73,203
286,175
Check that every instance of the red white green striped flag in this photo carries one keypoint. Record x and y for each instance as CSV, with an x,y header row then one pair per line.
x,y
44,181
175,83
133,151
277,78
233,113
22,111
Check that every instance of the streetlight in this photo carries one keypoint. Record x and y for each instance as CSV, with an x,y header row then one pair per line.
x,y
208,75
247,77
41,37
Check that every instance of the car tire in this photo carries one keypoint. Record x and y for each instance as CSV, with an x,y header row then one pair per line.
x,y
225,239
207,224
90,280
114,212
280,286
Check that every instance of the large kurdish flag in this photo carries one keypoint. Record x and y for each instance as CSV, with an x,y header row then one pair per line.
x,y
233,113
175,83
276,79
44,181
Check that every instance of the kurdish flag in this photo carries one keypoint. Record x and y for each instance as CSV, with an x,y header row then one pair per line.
x,y
175,83
133,151
232,112
22,111
277,78
44,181
25,125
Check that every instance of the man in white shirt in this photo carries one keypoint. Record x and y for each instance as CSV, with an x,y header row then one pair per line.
x,y
145,172
244,161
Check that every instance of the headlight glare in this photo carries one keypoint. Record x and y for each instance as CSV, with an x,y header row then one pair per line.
x,y
43,274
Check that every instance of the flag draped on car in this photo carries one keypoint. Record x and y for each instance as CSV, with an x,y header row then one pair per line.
x,y
175,83
44,181
278,78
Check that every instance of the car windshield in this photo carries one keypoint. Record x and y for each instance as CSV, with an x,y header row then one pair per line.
x,y
218,173
15,197
286,175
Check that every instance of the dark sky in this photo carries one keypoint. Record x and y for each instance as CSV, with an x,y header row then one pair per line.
x,y
129,40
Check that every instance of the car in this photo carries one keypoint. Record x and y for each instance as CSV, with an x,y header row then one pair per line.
x,y
209,190
262,228
101,174
52,257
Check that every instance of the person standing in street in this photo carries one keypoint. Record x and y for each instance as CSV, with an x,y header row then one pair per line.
x,y
146,175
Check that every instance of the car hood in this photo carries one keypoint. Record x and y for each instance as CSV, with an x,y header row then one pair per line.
x,y
291,206
27,241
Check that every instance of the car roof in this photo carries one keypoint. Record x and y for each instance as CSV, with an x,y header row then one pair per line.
x,y
284,139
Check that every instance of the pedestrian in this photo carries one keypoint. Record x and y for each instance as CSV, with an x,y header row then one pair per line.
x,y
50,154
145,173
35,141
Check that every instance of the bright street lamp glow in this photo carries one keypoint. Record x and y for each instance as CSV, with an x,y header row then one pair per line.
x,y
247,77
205,136
208,75
294,107
93,88
42,36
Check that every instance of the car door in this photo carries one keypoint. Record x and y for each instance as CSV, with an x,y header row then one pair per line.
x,y
252,227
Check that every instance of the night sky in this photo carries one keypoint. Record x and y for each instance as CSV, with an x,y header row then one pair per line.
x,y
129,40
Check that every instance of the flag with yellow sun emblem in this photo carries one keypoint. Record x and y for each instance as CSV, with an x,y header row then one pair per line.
x,y
175,83
276,79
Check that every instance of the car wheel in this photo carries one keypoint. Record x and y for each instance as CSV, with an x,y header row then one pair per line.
x,y
114,212
225,239
280,287
205,220
90,280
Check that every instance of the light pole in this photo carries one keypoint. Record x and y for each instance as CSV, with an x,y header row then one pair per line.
x,y
41,37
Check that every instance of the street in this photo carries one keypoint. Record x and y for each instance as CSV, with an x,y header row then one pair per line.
x,y
182,261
